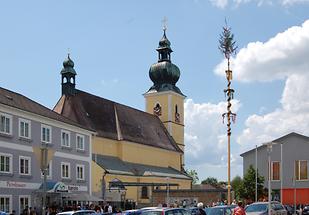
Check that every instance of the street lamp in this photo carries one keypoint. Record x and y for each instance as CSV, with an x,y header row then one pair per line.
x,y
269,149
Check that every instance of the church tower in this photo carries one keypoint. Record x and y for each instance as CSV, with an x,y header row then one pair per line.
x,y
164,98
68,77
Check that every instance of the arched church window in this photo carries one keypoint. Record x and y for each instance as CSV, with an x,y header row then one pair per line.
x,y
177,115
72,80
65,80
144,192
157,110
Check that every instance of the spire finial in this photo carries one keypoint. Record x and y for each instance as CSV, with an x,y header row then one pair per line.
x,y
69,52
164,21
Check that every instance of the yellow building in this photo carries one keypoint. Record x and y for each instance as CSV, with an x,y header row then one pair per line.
x,y
133,152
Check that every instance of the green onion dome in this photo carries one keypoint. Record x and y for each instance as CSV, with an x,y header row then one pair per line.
x,y
68,66
164,74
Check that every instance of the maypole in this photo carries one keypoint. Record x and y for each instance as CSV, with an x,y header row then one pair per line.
x,y
228,48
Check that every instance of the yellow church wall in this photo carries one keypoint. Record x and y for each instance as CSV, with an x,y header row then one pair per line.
x,y
96,177
137,153
178,134
178,100
105,146
162,99
129,151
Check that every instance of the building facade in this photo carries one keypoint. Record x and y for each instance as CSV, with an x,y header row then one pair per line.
x,y
289,167
134,152
25,128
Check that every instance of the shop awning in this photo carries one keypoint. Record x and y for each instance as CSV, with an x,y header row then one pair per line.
x,y
54,187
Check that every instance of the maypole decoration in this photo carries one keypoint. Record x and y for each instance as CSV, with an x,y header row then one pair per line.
x,y
228,48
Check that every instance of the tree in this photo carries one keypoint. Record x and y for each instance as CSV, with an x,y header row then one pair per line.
x,y
193,174
237,186
212,181
247,190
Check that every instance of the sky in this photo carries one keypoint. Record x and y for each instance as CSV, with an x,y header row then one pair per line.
x,y
113,46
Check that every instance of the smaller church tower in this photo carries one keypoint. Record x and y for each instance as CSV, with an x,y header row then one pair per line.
x,y
164,98
68,77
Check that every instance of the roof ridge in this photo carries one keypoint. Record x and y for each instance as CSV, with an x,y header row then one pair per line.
x,y
117,103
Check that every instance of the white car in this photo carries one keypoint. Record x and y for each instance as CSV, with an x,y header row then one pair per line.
x,y
261,208
79,212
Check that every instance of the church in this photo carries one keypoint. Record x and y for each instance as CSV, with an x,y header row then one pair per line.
x,y
133,152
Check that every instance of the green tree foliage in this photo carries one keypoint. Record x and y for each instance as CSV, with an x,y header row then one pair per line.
x,y
237,186
212,181
227,44
193,174
247,190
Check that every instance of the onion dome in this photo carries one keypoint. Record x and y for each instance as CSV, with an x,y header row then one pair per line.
x,y
164,74
68,77
68,66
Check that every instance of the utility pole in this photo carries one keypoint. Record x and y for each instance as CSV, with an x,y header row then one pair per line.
x,y
227,47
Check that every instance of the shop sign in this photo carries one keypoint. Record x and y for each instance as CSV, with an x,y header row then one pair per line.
x,y
77,188
19,185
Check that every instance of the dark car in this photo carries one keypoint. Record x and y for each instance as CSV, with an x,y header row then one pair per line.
x,y
305,210
132,212
166,211
289,209
194,210
221,210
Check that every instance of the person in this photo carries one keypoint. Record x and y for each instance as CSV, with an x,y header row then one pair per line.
x,y
200,208
239,210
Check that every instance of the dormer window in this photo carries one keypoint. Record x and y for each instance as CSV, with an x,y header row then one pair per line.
x,y
157,110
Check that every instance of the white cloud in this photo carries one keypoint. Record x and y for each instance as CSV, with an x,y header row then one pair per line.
x,y
292,2
285,57
278,58
219,3
235,3
205,137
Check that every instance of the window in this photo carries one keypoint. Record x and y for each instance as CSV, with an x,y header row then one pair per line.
x,y
275,171
80,172
5,124
65,170
80,142
24,201
65,138
5,203
46,134
301,170
144,192
24,165
5,163
177,115
157,110
24,128
49,171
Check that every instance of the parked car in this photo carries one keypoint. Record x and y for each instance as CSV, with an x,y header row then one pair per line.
x,y
132,212
166,211
261,208
80,212
194,210
289,209
305,210
221,210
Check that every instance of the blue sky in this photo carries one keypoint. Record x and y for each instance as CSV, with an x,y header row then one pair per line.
x,y
113,45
